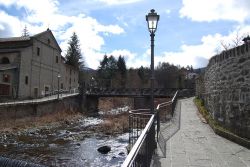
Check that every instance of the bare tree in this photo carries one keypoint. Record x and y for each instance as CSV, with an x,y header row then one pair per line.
x,y
225,45
238,39
217,50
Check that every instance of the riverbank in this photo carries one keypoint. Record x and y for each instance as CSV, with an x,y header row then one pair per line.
x,y
50,120
113,122
65,139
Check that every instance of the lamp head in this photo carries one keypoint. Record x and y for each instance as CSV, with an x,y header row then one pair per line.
x,y
152,19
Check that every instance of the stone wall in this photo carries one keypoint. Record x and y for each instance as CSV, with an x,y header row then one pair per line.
x,y
29,111
225,89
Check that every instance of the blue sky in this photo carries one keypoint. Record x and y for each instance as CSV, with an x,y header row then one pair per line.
x,y
189,31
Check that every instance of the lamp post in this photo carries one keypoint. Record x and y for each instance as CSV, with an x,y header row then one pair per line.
x,y
152,18
58,78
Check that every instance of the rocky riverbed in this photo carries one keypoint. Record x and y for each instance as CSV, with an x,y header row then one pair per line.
x,y
71,143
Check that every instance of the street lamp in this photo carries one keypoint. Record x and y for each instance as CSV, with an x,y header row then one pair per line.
x,y
58,78
152,19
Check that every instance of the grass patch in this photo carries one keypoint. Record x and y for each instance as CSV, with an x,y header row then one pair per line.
x,y
218,129
49,119
203,111
115,124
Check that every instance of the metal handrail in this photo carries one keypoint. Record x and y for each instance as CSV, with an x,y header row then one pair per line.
x,y
167,103
140,112
160,138
36,101
134,151
131,159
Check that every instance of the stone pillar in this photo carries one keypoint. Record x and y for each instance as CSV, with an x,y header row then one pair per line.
x,y
142,102
91,104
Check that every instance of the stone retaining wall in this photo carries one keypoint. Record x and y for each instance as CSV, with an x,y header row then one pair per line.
x,y
10,113
225,89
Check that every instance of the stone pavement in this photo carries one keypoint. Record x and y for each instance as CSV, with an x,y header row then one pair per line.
x,y
196,145
44,99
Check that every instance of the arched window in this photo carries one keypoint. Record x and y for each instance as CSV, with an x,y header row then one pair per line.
x,y
5,60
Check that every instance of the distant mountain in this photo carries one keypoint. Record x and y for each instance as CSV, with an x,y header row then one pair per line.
x,y
87,69
200,70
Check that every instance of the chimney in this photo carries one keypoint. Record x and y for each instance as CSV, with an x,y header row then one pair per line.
x,y
246,39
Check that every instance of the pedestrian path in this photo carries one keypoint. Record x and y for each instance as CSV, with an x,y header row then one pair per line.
x,y
196,145
41,100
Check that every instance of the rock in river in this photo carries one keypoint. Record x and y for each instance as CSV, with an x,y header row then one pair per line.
x,y
104,149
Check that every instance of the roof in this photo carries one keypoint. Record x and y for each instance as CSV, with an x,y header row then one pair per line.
x,y
53,37
14,39
20,39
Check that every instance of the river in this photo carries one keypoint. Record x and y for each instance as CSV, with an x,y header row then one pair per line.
x,y
71,144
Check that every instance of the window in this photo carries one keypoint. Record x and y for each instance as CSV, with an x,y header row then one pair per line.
x,y
38,51
48,41
61,85
26,80
36,92
56,59
4,89
5,60
6,78
46,89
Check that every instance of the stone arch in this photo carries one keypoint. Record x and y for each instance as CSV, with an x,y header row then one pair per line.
x,y
5,60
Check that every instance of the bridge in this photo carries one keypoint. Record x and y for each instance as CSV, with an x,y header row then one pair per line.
x,y
130,92
141,96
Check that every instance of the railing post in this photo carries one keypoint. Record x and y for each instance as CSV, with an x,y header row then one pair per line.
x,y
158,123
142,139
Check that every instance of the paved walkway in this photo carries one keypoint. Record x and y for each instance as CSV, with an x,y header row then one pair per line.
x,y
196,145
44,99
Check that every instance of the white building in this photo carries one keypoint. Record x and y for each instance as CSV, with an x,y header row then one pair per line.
x,y
30,66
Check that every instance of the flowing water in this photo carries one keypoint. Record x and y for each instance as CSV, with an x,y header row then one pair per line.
x,y
66,145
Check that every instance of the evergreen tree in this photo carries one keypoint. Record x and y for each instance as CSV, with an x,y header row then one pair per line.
x,y
107,70
74,56
143,74
191,68
121,65
25,32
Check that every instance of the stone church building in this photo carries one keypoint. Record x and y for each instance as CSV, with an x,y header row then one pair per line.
x,y
32,67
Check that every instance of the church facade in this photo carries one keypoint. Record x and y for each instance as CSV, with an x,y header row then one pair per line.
x,y
32,67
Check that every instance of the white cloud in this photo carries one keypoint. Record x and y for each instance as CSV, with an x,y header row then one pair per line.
x,y
212,10
168,11
123,52
10,25
132,59
129,56
198,55
7,3
88,29
119,2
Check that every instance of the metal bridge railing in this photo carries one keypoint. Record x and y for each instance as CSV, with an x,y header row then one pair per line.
x,y
142,133
39,100
138,120
142,151
164,113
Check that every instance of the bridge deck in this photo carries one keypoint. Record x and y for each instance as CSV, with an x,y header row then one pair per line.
x,y
196,145
133,92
